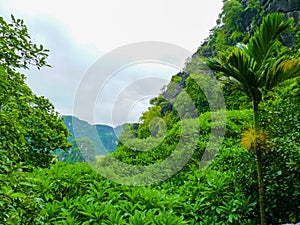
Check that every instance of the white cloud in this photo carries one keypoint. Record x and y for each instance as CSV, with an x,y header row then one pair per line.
x,y
110,24
79,32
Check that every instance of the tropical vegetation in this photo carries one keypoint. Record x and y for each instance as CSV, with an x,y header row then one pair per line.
x,y
253,178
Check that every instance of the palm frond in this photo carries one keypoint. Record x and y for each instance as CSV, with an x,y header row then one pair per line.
x,y
215,64
252,67
240,68
281,72
265,40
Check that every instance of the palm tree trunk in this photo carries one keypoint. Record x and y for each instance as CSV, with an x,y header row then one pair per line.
x,y
259,164
261,187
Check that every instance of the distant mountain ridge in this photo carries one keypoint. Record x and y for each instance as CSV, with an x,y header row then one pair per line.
x,y
103,137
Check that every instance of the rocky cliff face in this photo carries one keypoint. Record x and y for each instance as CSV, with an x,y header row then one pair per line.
x,y
252,17
290,7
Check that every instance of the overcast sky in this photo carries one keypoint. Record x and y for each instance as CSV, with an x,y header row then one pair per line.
x,y
78,33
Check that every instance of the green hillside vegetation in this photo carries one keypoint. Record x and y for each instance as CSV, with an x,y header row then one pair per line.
x,y
253,178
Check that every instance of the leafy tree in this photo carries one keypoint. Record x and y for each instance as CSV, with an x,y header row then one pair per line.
x,y
202,89
30,126
129,132
148,125
232,15
185,106
255,69
162,102
17,49
218,41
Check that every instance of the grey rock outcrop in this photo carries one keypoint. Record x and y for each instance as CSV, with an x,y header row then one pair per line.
x,y
290,7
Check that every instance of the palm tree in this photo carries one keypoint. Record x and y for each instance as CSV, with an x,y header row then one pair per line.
x,y
255,68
